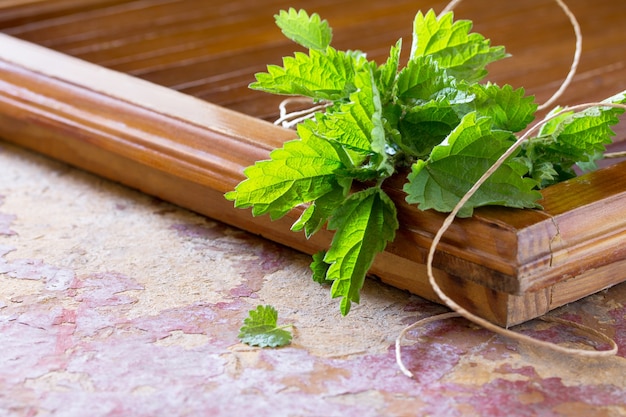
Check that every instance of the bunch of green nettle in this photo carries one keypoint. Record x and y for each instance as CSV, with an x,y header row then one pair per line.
x,y
432,119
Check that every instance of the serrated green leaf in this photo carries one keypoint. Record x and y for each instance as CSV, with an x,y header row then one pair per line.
x,y
260,328
582,135
351,123
316,215
358,125
386,73
421,81
308,31
321,75
508,108
585,133
423,127
364,224
572,138
455,165
463,54
301,171
319,268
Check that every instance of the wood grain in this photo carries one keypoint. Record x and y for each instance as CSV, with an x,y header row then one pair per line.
x,y
506,265
212,49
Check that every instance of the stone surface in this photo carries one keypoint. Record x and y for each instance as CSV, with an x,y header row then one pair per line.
x,y
113,303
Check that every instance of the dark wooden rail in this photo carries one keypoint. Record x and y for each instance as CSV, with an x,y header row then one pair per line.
x,y
211,49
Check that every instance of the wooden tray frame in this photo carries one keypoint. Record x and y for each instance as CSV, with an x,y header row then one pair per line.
x,y
505,265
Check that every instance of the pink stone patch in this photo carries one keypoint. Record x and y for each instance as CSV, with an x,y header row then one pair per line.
x,y
55,278
78,348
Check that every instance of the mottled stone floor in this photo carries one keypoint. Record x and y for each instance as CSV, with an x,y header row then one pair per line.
x,y
115,304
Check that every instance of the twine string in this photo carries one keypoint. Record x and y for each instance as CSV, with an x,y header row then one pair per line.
x,y
290,119
460,311
577,52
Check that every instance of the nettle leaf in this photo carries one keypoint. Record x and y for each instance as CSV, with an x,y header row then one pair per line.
x,y
351,123
423,127
316,215
260,329
321,75
421,81
320,268
585,133
301,171
308,31
581,135
509,109
364,224
572,138
386,73
358,125
456,164
463,54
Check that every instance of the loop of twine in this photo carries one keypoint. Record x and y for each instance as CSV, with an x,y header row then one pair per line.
x,y
577,52
572,351
290,119
615,155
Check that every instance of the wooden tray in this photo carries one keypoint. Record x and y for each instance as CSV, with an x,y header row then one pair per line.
x,y
153,94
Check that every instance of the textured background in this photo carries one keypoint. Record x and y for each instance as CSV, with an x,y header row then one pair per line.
x,y
115,304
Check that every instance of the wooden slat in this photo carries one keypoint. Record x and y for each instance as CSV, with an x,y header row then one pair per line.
x,y
21,12
211,50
